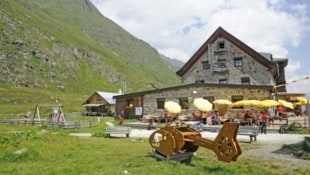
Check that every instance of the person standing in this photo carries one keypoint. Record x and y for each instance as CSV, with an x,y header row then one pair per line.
x,y
280,111
263,121
271,116
121,118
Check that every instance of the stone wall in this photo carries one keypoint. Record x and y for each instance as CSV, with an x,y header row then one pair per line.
x,y
150,100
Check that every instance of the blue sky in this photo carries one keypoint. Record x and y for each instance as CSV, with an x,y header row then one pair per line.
x,y
177,28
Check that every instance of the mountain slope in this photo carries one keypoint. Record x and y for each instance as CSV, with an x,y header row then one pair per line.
x,y
174,63
60,43
68,47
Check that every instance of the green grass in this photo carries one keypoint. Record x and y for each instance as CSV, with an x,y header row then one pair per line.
x,y
14,102
53,151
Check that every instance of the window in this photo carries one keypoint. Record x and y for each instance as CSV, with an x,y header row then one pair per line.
x,y
222,63
184,103
238,62
221,45
130,103
245,80
223,81
199,81
160,103
235,99
206,65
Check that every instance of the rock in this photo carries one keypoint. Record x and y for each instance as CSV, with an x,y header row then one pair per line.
x,y
28,115
21,151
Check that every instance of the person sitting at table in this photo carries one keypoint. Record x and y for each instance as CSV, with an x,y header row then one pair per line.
x,y
248,117
214,118
236,119
196,117
164,117
204,118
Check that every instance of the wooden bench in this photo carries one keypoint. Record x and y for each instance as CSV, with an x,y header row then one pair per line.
x,y
195,125
114,130
251,131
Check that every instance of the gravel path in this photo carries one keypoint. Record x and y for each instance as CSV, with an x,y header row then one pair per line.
x,y
269,137
272,137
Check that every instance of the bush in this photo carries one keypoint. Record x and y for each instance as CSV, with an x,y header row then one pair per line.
x,y
10,146
295,128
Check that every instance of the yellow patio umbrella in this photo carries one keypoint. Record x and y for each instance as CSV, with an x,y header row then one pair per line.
x,y
240,103
222,105
269,103
202,104
222,102
172,107
286,104
254,102
302,101
246,103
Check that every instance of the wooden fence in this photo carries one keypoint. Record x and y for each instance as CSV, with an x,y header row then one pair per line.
x,y
300,121
80,124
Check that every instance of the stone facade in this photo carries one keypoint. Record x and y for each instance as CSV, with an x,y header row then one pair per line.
x,y
150,105
222,67
211,93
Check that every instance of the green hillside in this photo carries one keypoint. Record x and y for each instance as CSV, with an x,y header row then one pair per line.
x,y
66,50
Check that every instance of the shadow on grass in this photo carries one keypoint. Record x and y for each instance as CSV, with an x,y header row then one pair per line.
x,y
216,170
160,157
288,149
298,150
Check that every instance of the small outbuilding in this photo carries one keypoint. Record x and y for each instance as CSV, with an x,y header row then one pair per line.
x,y
100,104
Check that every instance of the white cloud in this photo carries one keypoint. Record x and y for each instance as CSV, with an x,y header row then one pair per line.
x,y
264,25
293,67
303,86
178,28
295,82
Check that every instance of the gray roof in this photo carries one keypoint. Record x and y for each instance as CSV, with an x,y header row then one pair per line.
x,y
108,96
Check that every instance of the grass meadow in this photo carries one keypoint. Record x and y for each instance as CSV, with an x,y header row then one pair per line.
x,y
51,151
